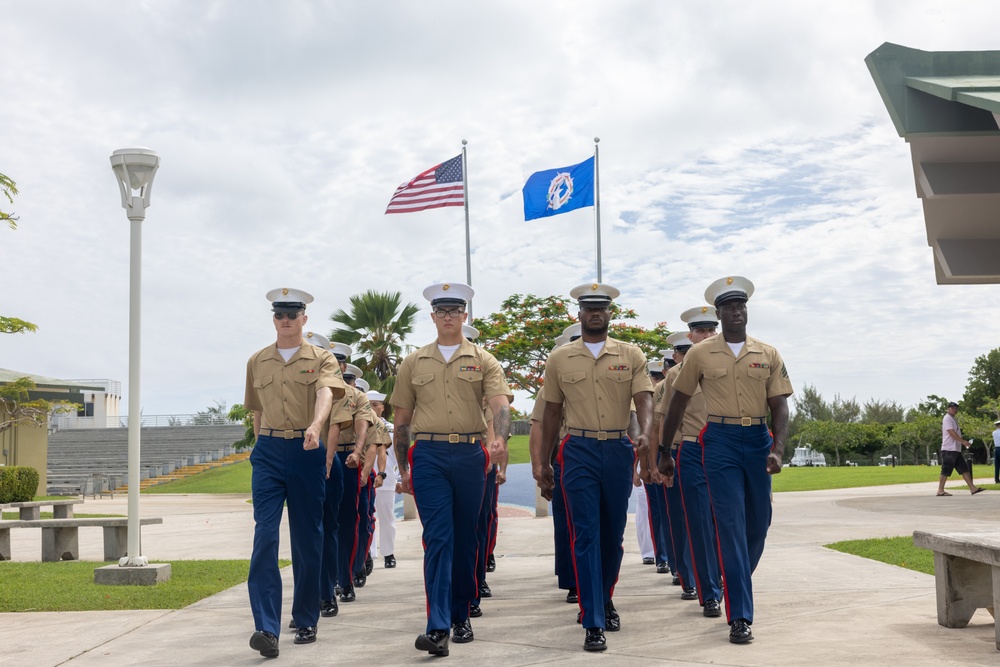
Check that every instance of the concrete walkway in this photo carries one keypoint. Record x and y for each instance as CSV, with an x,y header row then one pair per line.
x,y
814,606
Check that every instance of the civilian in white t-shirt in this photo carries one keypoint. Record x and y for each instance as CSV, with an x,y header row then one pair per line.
x,y
951,452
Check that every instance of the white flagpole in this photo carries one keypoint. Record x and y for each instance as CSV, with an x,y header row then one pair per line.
x,y
597,205
468,242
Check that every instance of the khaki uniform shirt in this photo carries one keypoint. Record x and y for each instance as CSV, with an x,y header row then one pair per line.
x,y
355,404
284,394
447,397
734,386
596,393
694,415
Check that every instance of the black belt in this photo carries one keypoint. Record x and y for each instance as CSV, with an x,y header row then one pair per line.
x,y
453,438
287,434
599,435
738,421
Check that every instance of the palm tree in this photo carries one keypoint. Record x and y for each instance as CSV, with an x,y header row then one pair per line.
x,y
375,328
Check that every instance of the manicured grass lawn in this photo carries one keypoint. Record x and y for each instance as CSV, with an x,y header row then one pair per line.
x,y
234,478
70,586
517,447
814,479
897,551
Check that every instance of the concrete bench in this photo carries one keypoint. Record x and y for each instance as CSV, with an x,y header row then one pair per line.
x,y
61,537
966,575
31,510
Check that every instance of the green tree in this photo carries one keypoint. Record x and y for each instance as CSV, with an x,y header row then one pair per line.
x,y
984,382
238,413
11,325
18,408
9,189
844,411
882,412
933,405
375,328
523,333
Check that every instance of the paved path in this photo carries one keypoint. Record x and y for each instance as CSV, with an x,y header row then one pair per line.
x,y
814,606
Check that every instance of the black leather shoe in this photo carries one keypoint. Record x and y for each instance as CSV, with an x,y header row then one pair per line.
x,y
463,633
648,561
434,642
595,640
291,625
305,635
337,590
712,609
662,568
571,596
360,579
369,566
266,643
612,621
739,632
475,611
491,563
348,595
689,594
579,617
676,581
484,590
390,562
328,608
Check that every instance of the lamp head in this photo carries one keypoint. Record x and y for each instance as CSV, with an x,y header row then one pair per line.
x,y
135,169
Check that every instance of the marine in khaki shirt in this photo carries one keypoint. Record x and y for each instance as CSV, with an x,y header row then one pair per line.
x,y
350,416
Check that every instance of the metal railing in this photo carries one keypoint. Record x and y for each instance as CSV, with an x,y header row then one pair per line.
x,y
67,422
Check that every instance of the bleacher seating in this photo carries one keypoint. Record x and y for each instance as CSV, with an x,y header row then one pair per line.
x,y
78,457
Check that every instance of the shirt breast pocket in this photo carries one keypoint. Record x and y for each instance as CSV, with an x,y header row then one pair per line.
x,y
715,373
760,374
572,384
266,394
423,386
470,384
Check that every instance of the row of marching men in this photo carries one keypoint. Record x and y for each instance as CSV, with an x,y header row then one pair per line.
x,y
697,441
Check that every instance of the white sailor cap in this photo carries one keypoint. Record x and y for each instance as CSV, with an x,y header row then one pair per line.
x,y
594,294
341,351
376,396
288,299
362,385
319,340
352,372
472,333
655,366
700,316
727,289
680,341
572,331
449,294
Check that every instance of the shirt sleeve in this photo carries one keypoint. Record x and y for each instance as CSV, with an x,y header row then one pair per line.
x,y
690,374
250,399
778,382
494,382
341,412
365,409
330,376
663,393
640,376
551,391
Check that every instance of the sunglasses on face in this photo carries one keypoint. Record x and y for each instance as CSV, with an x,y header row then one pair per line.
x,y
291,316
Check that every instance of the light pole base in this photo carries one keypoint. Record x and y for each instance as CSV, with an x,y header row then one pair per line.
x,y
116,575
133,561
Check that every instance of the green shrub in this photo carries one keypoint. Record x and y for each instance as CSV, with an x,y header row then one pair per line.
x,y
17,484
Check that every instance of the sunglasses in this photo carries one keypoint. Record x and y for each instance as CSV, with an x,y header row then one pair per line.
x,y
291,316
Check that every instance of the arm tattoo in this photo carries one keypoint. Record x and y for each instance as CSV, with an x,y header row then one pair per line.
x,y
401,438
501,423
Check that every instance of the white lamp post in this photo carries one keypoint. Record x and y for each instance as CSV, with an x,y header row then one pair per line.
x,y
135,169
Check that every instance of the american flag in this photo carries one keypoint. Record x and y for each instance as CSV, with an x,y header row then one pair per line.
x,y
438,186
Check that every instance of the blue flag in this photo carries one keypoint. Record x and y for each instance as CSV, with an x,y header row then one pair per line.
x,y
556,191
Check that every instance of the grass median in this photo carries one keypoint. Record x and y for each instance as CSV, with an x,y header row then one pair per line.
x,y
69,586
898,551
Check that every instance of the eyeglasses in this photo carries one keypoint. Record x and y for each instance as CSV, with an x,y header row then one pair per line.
x,y
445,314
291,316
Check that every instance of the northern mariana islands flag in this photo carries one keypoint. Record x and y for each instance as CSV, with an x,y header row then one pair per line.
x,y
556,191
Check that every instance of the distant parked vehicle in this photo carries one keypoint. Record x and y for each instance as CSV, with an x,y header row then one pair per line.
x,y
806,457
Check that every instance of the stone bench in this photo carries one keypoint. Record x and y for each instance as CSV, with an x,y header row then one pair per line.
x,y
61,537
966,575
31,510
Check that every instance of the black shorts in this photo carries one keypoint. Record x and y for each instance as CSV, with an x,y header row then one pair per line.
x,y
953,461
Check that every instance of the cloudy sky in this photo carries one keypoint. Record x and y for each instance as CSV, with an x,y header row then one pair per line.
x,y
736,138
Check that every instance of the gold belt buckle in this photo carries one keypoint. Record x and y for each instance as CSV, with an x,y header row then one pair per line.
x,y
747,421
602,435
453,438
289,434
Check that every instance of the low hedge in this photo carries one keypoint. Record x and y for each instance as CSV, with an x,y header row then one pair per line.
x,y
18,484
